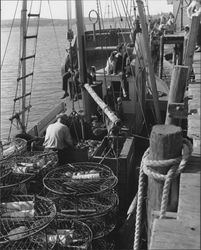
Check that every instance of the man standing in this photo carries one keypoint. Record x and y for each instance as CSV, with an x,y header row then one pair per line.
x,y
58,138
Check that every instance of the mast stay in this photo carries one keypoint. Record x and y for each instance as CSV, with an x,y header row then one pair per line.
x,y
25,62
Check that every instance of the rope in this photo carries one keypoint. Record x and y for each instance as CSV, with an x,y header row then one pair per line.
x,y
139,209
9,35
178,164
57,42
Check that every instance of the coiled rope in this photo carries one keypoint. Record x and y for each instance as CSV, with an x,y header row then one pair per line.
x,y
177,166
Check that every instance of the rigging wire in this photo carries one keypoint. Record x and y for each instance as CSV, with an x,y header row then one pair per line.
x,y
12,24
68,13
17,87
54,30
101,19
34,61
142,67
19,71
125,8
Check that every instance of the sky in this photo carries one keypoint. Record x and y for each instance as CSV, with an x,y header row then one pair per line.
x,y
59,8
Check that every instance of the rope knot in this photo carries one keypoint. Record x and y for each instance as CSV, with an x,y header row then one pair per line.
x,y
176,166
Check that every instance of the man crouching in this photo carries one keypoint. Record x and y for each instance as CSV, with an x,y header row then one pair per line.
x,y
58,138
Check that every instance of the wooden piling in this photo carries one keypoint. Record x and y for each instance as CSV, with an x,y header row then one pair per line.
x,y
190,48
165,143
177,90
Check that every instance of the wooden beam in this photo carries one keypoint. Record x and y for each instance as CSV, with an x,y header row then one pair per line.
x,y
149,60
106,109
173,234
190,48
177,90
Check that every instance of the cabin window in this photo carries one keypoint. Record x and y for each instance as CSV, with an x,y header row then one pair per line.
x,y
118,91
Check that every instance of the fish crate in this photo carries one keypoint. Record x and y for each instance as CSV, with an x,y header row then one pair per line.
x,y
80,154
121,162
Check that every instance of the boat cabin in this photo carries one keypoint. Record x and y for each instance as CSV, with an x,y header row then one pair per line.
x,y
130,92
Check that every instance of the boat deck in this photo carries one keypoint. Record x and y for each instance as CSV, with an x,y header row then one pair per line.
x,y
181,230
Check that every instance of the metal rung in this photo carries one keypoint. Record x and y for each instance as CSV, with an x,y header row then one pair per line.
x,y
16,115
20,97
33,14
27,57
29,37
20,78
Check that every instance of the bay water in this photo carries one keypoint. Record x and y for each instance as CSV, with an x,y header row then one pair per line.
x,y
47,84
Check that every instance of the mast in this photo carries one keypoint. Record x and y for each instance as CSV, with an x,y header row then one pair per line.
x,y
23,39
80,48
148,58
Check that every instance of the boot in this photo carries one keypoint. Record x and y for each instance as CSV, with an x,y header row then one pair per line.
x,y
65,95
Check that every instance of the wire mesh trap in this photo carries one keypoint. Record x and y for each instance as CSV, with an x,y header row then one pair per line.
x,y
13,147
45,239
85,207
14,184
101,225
78,179
23,216
103,244
71,234
35,162
5,168
98,212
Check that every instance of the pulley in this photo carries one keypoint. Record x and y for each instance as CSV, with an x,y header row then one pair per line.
x,y
70,35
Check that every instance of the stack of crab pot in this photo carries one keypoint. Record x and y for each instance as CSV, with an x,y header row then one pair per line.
x,y
84,192
28,220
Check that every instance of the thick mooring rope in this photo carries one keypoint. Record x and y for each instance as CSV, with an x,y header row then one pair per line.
x,y
178,164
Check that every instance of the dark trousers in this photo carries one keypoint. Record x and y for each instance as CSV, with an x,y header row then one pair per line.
x,y
66,77
199,35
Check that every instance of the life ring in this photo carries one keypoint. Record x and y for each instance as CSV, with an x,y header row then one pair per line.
x,y
91,18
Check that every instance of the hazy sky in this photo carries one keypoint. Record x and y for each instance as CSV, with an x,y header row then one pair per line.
x,y
58,8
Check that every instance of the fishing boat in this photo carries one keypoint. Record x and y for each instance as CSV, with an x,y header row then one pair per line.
x,y
95,201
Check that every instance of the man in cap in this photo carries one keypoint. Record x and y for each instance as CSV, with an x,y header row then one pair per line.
x,y
58,138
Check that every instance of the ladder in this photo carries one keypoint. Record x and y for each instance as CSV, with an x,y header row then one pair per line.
x,y
27,56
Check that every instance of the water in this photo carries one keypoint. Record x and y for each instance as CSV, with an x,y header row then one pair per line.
x,y
47,86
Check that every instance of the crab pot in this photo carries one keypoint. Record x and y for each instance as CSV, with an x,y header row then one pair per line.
x,y
118,154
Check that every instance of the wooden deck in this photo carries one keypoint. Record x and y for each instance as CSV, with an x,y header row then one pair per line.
x,y
182,231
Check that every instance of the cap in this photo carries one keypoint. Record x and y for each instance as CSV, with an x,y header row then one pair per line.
x,y
63,116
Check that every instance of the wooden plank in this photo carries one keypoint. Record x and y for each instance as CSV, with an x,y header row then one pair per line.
x,y
41,126
196,149
189,199
173,234
194,126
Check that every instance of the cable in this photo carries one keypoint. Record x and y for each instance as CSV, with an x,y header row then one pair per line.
x,y
54,30
9,35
